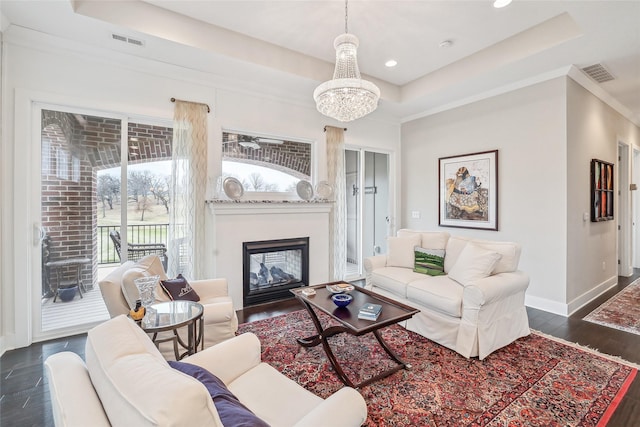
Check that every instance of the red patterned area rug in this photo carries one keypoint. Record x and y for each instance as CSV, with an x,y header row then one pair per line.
x,y
620,312
535,381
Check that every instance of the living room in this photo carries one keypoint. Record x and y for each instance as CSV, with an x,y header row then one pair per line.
x,y
546,130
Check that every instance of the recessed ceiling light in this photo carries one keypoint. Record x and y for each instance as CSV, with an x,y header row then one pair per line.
x,y
391,63
501,3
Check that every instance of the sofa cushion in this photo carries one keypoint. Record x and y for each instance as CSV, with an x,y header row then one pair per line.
x,y
455,245
437,293
510,252
400,251
179,289
474,263
274,398
231,411
428,239
429,261
394,279
136,385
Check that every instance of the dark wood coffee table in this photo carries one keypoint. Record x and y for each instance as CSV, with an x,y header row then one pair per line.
x,y
392,313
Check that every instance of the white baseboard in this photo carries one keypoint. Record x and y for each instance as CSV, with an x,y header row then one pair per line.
x,y
2,348
545,305
592,294
567,310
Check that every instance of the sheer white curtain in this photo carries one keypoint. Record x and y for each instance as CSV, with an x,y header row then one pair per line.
x,y
188,184
338,222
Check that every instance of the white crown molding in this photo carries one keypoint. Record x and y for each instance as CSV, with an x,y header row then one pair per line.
x,y
50,44
570,71
490,93
583,80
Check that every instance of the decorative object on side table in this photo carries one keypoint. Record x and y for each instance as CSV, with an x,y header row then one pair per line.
x,y
137,313
146,286
341,300
601,190
468,190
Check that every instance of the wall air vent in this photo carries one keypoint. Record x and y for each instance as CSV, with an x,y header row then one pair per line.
x,y
126,39
598,73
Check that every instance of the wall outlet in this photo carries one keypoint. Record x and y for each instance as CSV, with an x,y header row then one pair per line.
x,y
415,214
604,265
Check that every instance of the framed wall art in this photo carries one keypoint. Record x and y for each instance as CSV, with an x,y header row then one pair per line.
x,y
601,191
468,190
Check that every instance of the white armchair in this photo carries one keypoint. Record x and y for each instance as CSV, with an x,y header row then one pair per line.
x,y
125,381
119,294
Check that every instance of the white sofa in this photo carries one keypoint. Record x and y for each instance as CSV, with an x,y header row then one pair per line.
x,y
119,294
479,312
127,382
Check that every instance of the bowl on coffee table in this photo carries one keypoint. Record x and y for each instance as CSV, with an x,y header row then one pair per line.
x,y
341,300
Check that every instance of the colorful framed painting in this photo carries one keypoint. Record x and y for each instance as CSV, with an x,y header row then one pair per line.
x,y
468,190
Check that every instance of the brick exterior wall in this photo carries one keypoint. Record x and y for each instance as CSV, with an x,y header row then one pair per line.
x,y
290,157
74,148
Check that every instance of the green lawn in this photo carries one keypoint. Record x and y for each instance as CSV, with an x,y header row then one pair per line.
x,y
154,214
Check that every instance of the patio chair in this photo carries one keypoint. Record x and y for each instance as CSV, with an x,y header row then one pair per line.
x,y
136,251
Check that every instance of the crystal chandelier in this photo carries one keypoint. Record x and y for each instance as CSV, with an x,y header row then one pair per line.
x,y
346,97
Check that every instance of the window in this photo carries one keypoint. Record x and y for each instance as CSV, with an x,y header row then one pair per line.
x,y
265,164
62,161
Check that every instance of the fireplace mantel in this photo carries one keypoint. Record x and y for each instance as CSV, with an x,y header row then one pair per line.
x,y
252,207
231,223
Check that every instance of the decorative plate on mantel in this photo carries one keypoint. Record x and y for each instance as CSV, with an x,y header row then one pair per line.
x,y
324,190
232,188
304,190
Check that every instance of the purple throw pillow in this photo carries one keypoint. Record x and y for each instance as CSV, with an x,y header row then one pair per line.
x,y
230,410
179,289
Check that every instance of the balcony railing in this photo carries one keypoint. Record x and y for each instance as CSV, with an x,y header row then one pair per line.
x,y
151,233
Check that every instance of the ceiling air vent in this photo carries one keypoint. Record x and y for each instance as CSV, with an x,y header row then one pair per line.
x,y
126,39
598,73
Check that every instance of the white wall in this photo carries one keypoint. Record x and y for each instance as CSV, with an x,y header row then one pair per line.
x,y
40,68
546,136
593,131
527,126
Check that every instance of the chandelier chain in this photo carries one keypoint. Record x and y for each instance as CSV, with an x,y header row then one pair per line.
x,y
346,16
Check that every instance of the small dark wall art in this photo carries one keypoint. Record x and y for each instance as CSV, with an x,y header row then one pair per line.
x,y
468,190
601,191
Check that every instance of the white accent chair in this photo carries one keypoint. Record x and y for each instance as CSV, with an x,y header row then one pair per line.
x,y
119,294
126,382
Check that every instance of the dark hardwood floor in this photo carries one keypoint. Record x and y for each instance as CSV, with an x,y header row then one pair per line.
x,y
24,397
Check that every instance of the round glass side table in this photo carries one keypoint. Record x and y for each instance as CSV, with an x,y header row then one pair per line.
x,y
171,316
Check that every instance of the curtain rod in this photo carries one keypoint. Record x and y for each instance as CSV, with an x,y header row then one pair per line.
x,y
344,129
201,103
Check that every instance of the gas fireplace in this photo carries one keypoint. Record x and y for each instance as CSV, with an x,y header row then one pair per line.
x,y
272,267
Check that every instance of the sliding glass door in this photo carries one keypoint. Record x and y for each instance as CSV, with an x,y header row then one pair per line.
x,y
94,203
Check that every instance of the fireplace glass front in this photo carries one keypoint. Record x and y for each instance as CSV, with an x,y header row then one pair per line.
x,y
273,267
